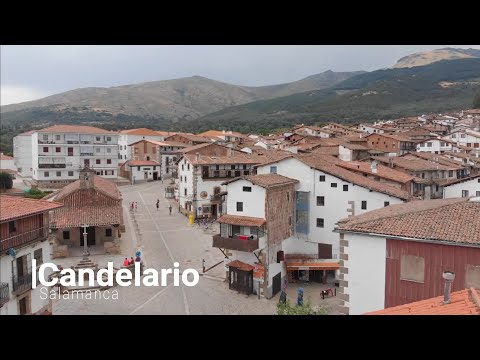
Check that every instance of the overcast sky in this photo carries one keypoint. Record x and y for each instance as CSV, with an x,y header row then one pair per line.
x,y
33,72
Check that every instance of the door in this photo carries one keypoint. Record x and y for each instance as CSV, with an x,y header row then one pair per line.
x,y
86,162
70,151
22,306
205,171
145,174
90,236
155,175
214,211
276,284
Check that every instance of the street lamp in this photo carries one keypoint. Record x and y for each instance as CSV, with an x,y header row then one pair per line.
x,y
86,252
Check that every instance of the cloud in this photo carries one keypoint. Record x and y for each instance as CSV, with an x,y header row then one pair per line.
x,y
18,94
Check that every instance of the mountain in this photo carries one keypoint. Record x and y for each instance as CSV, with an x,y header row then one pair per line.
x,y
382,94
428,57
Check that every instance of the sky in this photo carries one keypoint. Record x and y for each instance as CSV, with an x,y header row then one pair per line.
x,y
31,72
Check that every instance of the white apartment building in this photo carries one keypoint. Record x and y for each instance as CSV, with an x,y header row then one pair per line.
x,y
435,146
7,162
465,187
130,136
466,137
22,153
61,151
325,194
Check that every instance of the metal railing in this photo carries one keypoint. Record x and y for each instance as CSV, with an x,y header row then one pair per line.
x,y
23,238
22,283
4,293
225,173
234,243
52,166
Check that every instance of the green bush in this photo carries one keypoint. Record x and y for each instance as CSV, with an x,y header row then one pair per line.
x,y
6,181
35,193
305,309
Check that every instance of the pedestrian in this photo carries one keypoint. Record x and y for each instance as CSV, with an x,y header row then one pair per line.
x,y
131,206
136,206
125,262
170,209
158,203
131,261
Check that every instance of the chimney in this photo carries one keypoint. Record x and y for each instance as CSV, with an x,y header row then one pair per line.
x,y
374,167
197,156
86,178
390,163
449,276
223,131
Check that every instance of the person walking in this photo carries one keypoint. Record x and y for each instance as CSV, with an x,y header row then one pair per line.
x,y
131,206
158,203
170,209
136,206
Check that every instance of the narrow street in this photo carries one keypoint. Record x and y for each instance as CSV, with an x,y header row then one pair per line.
x,y
164,239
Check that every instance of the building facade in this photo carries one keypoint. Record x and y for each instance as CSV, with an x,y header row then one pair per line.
x,y
127,137
24,229
22,153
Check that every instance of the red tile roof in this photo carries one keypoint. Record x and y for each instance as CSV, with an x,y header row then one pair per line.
x,y
265,180
142,163
27,133
140,131
161,143
463,302
13,207
5,157
382,171
235,159
241,220
414,163
105,186
450,220
241,265
194,138
80,129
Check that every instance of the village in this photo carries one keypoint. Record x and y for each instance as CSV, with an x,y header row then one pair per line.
x,y
366,218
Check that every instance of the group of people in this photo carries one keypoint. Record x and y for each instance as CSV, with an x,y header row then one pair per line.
x,y
133,206
169,206
127,262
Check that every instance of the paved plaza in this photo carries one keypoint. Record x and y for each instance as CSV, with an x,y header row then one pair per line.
x,y
164,239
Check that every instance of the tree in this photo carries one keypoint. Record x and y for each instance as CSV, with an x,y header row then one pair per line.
x,y
476,101
305,309
6,181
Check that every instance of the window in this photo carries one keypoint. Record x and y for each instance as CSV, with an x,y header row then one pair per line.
x,y
185,178
12,226
185,192
97,150
345,187
70,151
364,205
464,193
46,174
454,136
442,144
98,161
273,169
469,144
450,173
182,167
333,184
247,189
239,206
45,137
412,268
108,232
477,193
38,255
109,150
188,166
320,223
288,196
70,173
320,200
97,138
429,144
45,149
138,168
109,138
462,136
57,149
154,167
386,203
321,178
59,173
325,251
109,161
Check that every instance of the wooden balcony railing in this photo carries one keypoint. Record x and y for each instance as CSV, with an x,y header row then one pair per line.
x,y
24,238
22,283
234,243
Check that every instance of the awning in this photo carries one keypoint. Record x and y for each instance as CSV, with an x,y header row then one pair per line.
x,y
241,220
312,266
241,265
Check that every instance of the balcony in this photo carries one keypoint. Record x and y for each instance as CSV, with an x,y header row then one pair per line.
x,y
222,174
4,293
22,283
234,243
24,238
86,154
52,166
216,198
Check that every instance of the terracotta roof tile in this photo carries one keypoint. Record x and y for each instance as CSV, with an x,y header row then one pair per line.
x,y
452,220
414,163
105,186
80,129
265,180
5,157
12,207
161,143
236,159
330,165
195,138
382,171
463,302
69,217
241,220
140,131
241,265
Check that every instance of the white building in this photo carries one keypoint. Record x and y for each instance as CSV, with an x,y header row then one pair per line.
x,y
466,137
61,151
22,152
327,193
24,228
140,171
259,217
7,162
462,188
435,146
130,136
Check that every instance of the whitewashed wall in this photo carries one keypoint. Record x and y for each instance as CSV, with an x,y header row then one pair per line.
x,y
455,191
